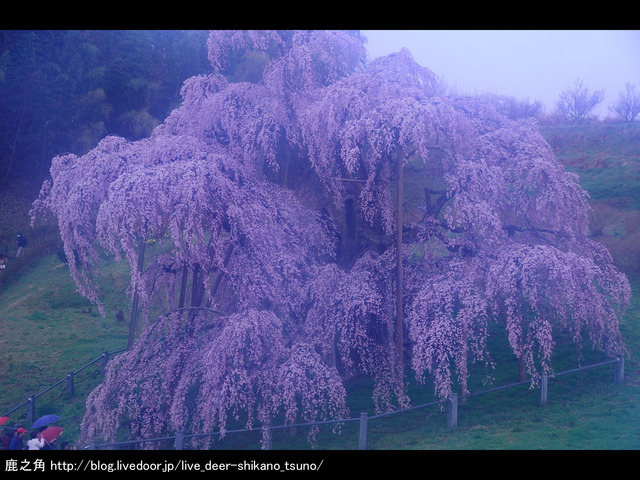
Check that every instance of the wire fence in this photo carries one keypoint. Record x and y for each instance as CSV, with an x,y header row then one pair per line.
x,y
262,437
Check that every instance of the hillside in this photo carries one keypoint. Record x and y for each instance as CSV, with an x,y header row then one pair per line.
x,y
48,329
605,156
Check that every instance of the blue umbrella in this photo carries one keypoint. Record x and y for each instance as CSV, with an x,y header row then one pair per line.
x,y
46,420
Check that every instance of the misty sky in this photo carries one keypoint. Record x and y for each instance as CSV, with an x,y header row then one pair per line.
x,y
526,64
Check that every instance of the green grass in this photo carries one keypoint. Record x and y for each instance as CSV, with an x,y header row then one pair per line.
x,y
47,331
606,158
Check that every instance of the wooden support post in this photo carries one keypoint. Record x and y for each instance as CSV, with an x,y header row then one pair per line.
x,y
179,442
103,363
268,444
619,372
31,409
542,390
70,388
364,420
399,207
452,413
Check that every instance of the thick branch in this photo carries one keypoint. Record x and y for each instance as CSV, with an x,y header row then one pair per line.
x,y
511,229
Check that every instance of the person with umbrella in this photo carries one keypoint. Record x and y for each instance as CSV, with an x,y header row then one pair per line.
x,y
16,441
7,434
50,436
47,435
36,442
45,420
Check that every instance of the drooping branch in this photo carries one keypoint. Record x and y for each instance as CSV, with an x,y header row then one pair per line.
x,y
511,229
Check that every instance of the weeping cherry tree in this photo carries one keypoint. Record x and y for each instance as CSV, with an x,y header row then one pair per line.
x,y
324,218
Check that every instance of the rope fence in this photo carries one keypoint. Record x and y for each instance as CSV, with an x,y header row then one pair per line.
x,y
70,389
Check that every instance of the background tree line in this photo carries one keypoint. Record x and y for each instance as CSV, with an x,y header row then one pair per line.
x,y
574,106
64,90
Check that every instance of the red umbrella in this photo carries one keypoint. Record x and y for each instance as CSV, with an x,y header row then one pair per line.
x,y
3,419
51,433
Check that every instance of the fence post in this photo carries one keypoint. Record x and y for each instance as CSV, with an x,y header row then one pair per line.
x,y
31,409
268,436
179,442
452,413
70,389
618,376
105,357
542,390
362,444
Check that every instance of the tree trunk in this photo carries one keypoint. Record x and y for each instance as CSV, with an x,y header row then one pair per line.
x,y
197,287
134,307
14,144
463,381
216,283
183,286
522,369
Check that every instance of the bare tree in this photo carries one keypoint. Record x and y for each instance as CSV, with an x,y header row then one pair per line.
x,y
628,105
576,103
514,108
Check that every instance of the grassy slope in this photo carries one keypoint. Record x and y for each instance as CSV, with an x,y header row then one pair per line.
x,y
47,331
606,157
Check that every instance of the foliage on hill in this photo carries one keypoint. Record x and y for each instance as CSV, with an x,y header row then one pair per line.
x,y
63,90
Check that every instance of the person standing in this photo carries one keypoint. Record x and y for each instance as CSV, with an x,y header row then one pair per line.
x,y
36,442
6,439
16,441
22,242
